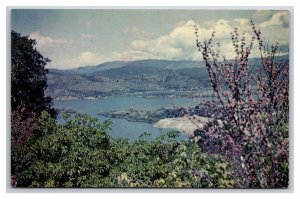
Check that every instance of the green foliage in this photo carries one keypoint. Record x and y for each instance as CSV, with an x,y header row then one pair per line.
x,y
78,152
68,154
166,162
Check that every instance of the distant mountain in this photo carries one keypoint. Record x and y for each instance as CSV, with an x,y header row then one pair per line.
x,y
100,67
163,64
123,78
153,77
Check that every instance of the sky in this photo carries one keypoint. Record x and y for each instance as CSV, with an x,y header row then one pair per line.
x,y
73,38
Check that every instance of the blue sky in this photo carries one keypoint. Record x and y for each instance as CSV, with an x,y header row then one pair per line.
x,y
73,38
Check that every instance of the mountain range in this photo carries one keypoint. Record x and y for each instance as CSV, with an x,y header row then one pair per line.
x,y
124,78
150,77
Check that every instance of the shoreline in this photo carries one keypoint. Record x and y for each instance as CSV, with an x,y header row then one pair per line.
x,y
150,94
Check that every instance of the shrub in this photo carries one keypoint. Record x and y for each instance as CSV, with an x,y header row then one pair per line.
x,y
74,153
78,152
253,108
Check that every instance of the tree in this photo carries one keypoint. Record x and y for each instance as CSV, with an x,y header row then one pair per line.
x,y
28,76
254,109
28,83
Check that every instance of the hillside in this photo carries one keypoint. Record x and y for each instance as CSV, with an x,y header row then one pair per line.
x,y
154,77
144,77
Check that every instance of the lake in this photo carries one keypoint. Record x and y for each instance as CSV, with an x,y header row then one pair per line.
x,y
121,127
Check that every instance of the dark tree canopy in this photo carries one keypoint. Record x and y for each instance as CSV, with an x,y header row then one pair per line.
x,y
28,76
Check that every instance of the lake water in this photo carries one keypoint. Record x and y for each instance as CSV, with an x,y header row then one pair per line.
x,y
122,127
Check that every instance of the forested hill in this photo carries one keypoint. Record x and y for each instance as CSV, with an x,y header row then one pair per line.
x,y
153,77
124,78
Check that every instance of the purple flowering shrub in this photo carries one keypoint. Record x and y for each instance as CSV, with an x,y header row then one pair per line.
x,y
253,107
23,129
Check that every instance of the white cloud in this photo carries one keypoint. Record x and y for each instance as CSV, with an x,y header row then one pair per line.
x,y
278,19
184,34
262,15
274,34
180,42
223,29
276,29
171,46
242,22
83,59
45,44
48,46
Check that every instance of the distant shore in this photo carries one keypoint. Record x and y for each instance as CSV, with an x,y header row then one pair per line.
x,y
197,95
153,116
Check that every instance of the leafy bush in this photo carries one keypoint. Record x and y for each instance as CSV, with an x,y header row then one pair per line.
x,y
78,152
69,154
167,162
